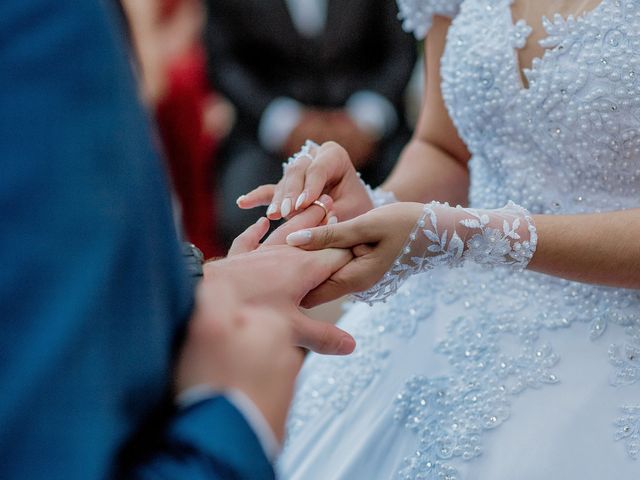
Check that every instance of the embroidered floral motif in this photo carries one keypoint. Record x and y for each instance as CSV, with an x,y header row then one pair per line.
x,y
626,359
495,241
628,430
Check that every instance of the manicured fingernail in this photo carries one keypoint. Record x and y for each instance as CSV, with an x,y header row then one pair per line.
x,y
300,200
332,220
240,198
296,239
273,208
285,208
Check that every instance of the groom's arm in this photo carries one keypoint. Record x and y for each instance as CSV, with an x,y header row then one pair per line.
x,y
238,433
212,439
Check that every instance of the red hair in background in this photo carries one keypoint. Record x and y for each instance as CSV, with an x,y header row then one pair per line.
x,y
189,148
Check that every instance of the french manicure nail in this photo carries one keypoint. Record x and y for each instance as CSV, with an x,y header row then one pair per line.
x,y
332,220
240,198
297,239
300,200
285,208
272,209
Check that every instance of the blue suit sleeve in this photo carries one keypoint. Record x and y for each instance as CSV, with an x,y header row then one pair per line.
x,y
209,440
93,290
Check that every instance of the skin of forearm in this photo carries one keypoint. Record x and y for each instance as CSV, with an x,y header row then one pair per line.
x,y
601,248
425,173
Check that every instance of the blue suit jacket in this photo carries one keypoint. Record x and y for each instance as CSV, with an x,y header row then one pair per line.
x,y
93,293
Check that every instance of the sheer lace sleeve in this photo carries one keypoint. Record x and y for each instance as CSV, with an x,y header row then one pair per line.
x,y
417,15
446,236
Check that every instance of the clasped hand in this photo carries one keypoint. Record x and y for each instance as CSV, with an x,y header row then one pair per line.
x,y
246,322
374,236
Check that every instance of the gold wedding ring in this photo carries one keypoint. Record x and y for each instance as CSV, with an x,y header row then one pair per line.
x,y
323,206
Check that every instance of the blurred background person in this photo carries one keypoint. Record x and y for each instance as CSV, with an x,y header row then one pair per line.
x,y
305,69
192,118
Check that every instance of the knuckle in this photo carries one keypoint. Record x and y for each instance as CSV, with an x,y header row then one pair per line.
x,y
327,236
324,341
294,170
316,169
337,149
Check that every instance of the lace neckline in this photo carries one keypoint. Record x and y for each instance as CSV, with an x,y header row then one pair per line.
x,y
523,29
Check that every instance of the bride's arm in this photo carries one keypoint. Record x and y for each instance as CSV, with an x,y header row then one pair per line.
x,y
433,166
600,248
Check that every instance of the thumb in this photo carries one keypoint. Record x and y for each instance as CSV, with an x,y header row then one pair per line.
x,y
321,337
338,235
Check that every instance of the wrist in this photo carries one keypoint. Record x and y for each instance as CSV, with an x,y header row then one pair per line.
x,y
379,196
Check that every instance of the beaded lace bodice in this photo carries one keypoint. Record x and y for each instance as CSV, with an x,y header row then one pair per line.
x,y
570,142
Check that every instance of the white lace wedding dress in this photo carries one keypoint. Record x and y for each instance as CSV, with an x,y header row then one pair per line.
x,y
500,374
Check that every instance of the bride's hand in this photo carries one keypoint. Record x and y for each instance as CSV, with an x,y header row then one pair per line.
x,y
375,238
328,169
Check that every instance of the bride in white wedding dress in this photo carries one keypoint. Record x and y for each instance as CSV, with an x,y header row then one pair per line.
x,y
504,367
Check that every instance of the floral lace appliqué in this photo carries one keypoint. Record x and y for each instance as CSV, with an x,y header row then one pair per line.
x,y
628,430
451,236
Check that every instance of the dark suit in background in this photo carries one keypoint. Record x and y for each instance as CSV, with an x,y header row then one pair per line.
x,y
257,55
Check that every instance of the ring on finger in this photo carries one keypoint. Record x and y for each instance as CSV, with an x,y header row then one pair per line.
x,y
323,207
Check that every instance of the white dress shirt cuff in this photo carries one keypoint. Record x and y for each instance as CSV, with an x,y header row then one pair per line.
x,y
373,113
277,122
245,406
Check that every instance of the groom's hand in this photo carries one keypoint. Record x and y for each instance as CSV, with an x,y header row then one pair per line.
x,y
278,277
231,347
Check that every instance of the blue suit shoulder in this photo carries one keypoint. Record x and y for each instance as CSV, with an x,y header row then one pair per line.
x,y
93,292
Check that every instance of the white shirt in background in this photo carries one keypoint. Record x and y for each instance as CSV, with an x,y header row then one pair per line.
x,y
308,16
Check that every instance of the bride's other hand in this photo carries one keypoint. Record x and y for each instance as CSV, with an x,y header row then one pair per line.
x,y
375,238
250,239
330,171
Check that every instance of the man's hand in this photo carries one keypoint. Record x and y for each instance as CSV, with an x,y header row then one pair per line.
x,y
231,346
278,277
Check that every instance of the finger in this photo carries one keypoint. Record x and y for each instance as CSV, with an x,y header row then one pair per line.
x,y
318,266
311,217
293,196
338,235
321,337
327,169
273,211
259,197
249,240
357,276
